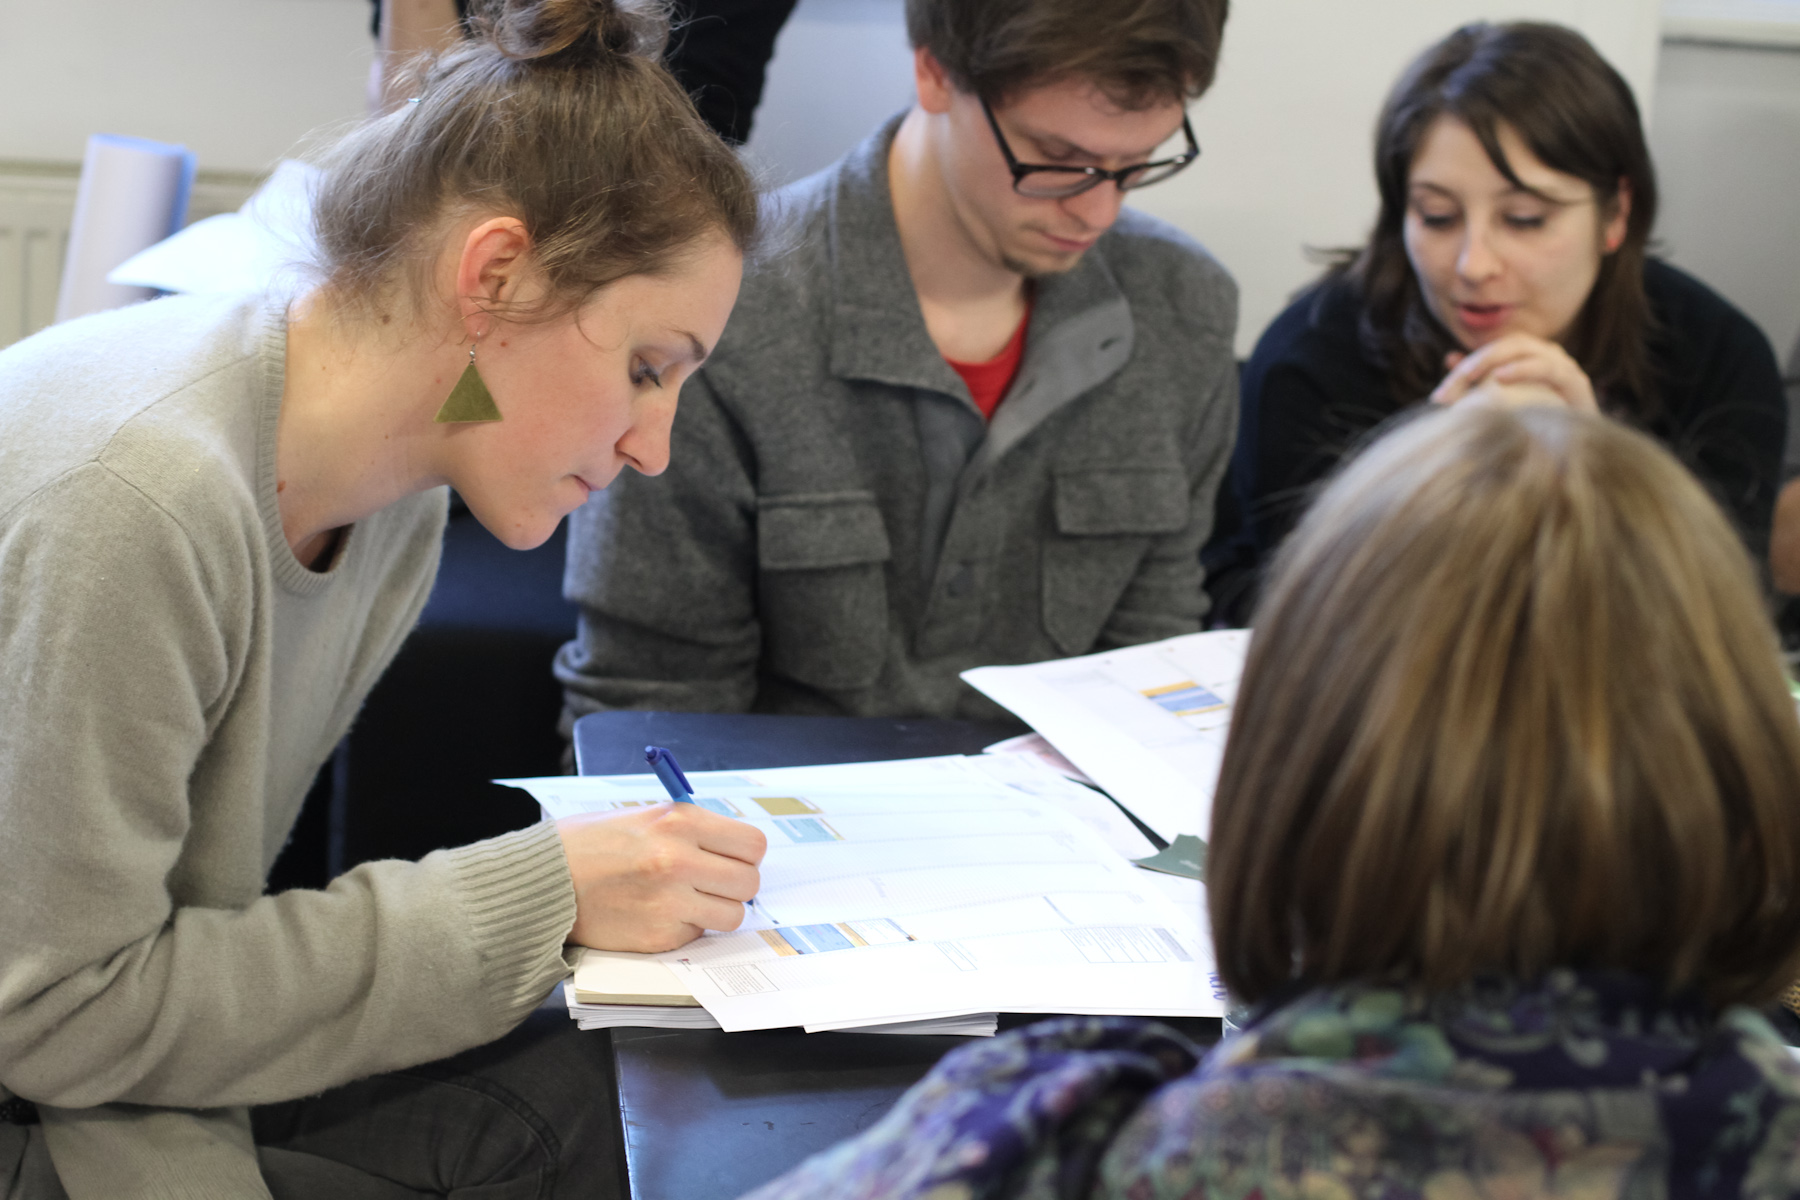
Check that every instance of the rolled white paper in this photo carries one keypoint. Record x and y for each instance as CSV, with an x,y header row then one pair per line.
x,y
133,193
252,249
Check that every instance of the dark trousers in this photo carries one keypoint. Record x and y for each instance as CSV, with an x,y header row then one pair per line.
x,y
533,1115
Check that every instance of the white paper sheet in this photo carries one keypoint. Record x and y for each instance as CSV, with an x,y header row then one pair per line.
x,y
958,1025
1030,774
1034,745
923,889
133,193
566,795
1147,723
617,1016
642,1016
1080,952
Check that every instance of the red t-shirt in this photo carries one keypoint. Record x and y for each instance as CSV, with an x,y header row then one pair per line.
x,y
989,380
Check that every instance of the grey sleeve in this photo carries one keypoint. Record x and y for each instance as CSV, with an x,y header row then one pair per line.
x,y
664,571
1166,597
121,661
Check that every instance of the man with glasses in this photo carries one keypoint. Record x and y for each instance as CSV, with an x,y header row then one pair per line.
x,y
975,412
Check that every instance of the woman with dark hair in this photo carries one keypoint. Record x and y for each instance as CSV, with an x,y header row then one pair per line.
x,y
1509,263
219,517
1503,857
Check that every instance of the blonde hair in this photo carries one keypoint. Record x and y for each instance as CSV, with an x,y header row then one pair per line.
x,y
1512,703
558,112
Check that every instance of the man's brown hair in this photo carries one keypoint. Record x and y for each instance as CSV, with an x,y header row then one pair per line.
x,y
1512,703
1139,52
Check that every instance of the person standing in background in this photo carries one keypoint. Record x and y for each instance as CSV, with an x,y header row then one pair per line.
x,y
719,54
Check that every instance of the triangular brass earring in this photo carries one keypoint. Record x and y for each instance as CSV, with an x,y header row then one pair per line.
x,y
469,400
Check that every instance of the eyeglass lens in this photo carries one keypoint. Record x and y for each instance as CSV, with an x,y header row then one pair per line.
x,y
1046,184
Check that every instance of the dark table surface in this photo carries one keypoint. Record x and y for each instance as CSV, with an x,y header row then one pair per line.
x,y
712,1114
708,1115
612,743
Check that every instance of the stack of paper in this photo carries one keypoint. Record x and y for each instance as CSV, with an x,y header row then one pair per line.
x,y
1146,723
1036,746
652,1017
647,1016
611,989
927,889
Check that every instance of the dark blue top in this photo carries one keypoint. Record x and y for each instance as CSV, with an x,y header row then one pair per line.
x,y
1310,394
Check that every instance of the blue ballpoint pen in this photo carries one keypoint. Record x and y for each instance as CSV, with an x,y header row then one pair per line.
x,y
669,771
675,783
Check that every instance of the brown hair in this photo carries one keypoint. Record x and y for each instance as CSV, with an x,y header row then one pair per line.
x,y
1577,115
559,113
1139,52
1512,704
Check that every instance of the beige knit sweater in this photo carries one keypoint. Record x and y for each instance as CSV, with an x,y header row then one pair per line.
x,y
171,678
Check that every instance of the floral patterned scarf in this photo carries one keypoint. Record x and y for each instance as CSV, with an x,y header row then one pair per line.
x,y
1580,1085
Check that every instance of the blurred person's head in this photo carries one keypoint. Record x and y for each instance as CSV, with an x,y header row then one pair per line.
x,y
1063,84
1512,703
1517,196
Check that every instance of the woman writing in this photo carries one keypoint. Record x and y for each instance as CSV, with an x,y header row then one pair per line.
x,y
1508,262
219,518
1503,852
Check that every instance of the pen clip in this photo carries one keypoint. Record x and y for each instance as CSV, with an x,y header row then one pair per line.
x,y
655,754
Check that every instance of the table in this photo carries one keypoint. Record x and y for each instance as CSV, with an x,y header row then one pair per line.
x,y
707,1115
612,743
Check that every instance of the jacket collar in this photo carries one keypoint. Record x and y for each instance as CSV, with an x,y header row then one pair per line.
x,y
1080,333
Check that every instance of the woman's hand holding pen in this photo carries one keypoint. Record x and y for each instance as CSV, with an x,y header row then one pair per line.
x,y
655,878
1516,371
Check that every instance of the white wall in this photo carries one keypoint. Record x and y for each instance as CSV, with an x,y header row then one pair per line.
x,y
1727,147
1766,22
840,66
1285,132
237,81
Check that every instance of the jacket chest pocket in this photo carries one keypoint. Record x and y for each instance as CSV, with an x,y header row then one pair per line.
x,y
822,559
1105,520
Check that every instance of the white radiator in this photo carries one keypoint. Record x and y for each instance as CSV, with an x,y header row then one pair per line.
x,y
34,230
36,203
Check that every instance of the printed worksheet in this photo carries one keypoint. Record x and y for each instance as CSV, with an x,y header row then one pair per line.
x,y
923,889
1088,951
566,795
1147,723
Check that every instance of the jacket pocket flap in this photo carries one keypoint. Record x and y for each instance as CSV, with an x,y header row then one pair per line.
x,y
815,530
1121,500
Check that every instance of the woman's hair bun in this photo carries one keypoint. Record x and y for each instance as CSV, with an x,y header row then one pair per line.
x,y
577,31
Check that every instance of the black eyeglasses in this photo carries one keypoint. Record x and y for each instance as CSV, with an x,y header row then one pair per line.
x,y
1060,182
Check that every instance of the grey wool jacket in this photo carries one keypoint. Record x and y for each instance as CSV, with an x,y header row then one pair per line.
x,y
171,677
841,532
